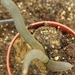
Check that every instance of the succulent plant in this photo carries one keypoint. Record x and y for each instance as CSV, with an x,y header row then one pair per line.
x,y
38,50
20,25
51,64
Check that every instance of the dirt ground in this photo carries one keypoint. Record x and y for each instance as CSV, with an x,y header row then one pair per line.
x,y
61,11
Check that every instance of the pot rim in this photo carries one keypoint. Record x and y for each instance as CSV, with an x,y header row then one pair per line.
x,y
33,25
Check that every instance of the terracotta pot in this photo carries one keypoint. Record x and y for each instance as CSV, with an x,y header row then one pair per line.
x,y
36,25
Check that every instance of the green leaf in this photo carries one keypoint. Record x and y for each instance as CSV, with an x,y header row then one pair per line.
x,y
31,55
58,65
20,25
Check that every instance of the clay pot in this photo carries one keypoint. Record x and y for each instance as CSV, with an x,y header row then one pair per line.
x,y
64,28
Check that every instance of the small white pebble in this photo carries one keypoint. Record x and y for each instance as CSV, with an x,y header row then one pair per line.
x,y
48,4
51,52
1,26
30,13
35,71
46,38
19,6
55,32
67,39
71,14
1,65
56,58
72,38
13,71
69,8
63,58
69,58
68,19
45,47
56,51
6,24
72,4
21,3
41,32
4,29
58,27
63,13
12,31
52,46
17,64
24,10
6,38
64,48
40,5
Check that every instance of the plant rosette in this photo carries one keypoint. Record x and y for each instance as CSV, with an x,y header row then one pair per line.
x,y
64,29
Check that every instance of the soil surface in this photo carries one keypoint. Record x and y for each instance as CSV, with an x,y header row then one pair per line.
x,y
58,46
61,11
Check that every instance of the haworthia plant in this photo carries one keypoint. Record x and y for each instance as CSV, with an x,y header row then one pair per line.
x,y
51,64
19,23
